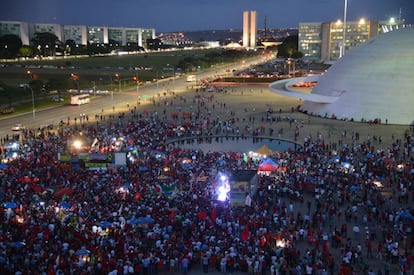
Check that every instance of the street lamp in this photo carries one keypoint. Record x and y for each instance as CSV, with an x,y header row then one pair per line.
x,y
117,78
344,29
288,62
135,78
29,73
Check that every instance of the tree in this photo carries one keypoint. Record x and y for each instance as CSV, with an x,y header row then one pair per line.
x,y
26,51
37,85
46,42
57,84
154,44
10,45
70,43
289,48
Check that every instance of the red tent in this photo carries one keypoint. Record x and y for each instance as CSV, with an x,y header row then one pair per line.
x,y
268,165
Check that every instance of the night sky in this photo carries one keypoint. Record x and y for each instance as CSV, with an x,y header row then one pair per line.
x,y
187,15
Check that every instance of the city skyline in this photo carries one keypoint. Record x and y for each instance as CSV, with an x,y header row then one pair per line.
x,y
192,15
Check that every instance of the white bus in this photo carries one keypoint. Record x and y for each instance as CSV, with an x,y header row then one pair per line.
x,y
80,99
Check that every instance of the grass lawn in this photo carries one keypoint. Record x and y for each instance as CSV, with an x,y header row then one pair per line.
x,y
94,72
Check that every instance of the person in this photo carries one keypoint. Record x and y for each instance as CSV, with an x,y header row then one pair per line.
x,y
387,268
184,265
355,229
205,260
223,263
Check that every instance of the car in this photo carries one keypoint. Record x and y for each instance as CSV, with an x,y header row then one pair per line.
x,y
102,92
57,99
17,127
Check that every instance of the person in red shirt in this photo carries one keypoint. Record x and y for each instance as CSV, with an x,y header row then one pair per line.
x,y
369,249
379,251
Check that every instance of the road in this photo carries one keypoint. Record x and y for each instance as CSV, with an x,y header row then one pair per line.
x,y
119,100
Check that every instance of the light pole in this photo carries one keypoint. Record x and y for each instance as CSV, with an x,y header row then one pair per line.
x,y
118,78
33,103
288,62
29,73
94,87
135,78
344,29
173,78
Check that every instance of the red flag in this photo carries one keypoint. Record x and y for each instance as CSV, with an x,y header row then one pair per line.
x,y
172,215
262,240
202,215
158,188
137,196
245,233
214,215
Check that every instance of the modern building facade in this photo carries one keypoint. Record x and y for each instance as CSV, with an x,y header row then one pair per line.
x,y
323,41
20,29
81,34
77,33
249,29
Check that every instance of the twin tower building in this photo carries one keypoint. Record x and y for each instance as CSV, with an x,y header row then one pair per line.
x,y
249,29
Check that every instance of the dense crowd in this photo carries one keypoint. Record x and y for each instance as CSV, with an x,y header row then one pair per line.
x,y
324,210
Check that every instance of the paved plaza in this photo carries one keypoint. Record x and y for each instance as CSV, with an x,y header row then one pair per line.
x,y
309,203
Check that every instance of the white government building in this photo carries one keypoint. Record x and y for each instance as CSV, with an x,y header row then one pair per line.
x,y
81,34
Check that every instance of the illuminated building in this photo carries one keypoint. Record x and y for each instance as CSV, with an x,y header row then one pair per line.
x,y
81,34
323,41
249,29
372,82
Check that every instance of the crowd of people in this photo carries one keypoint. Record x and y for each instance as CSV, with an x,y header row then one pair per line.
x,y
325,210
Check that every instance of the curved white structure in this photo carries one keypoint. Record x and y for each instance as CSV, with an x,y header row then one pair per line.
x,y
372,81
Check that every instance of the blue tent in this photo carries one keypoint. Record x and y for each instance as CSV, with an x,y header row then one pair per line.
x,y
355,188
141,220
105,224
406,215
17,245
335,159
268,165
82,252
269,161
142,169
10,205
126,186
65,205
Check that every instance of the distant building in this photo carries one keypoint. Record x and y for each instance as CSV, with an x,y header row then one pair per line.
x,y
20,29
55,29
98,35
323,41
81,34
77,33
209,44
249,29
146,34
